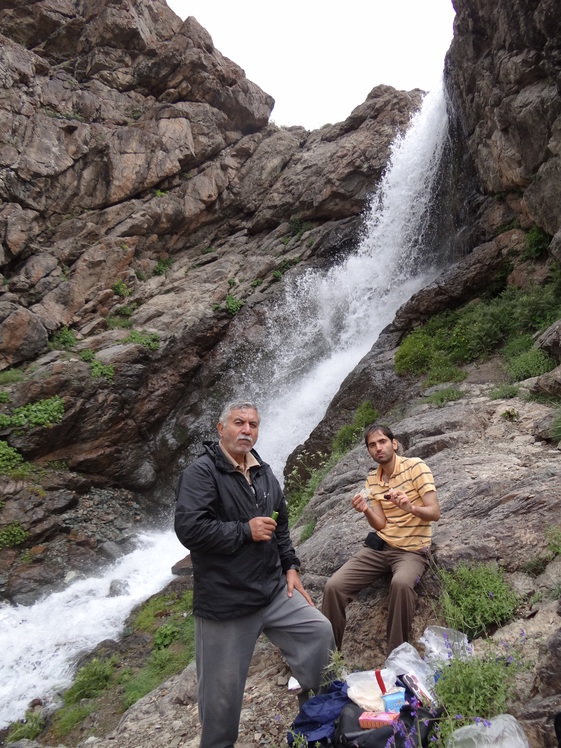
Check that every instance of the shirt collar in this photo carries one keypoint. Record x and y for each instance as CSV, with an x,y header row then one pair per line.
x,y
395,468
249,461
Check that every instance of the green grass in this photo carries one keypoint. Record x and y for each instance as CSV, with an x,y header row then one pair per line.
x,y
11,376
29,729
350,435
478,329
308,529
504,392
444,396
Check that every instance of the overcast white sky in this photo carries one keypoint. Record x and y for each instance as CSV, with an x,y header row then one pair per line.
x,y
319,60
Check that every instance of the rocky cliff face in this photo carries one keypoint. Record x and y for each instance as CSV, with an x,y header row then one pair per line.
x,y
142,185
140,180
503,81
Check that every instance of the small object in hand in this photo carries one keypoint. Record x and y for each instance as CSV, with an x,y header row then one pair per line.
x,y
388,496
274,516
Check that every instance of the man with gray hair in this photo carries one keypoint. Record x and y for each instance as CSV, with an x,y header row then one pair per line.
x,y
232,516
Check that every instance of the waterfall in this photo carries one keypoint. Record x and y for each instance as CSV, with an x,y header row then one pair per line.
x,y
328,321
325,324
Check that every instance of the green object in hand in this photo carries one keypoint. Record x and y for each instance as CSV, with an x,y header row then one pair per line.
x,y
274,516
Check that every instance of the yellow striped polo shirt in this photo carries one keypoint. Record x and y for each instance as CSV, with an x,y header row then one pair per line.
x,y
403,530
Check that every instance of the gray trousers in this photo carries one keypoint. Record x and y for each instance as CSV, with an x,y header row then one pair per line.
x,y
224,650
367,565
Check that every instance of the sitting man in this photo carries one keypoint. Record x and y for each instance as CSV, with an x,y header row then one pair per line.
x,y
399,502
231,514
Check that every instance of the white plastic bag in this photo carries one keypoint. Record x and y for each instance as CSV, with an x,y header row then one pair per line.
x,y
406,659
502,731
442,644
364,688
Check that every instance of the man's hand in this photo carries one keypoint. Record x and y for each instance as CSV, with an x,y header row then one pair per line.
x,y
359,503
293,583
262,528
400,499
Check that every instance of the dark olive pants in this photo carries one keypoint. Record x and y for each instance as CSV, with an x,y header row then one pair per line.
x,y
361,570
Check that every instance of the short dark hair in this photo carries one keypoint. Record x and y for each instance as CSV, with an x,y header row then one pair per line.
x,y
378,427
237,405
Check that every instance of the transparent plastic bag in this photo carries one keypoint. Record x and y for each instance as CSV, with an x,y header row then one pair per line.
x,y
442,644
406,659
502,731
364,688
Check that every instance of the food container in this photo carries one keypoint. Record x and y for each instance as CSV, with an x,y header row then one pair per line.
x,y
371,719
394,701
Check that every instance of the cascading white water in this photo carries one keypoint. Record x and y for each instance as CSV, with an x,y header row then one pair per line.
x,y
40,644
325,325
329,320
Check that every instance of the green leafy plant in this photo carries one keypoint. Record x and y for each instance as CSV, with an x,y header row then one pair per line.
x,y
474,597
42,413
446,395
256,282
4,397
165,635
232,282
10,458
277,275
120,288
150,340
350,435
233,305
63,340
510,414
87,355
158,192
536,243
100,370
12,534
474,689
163,266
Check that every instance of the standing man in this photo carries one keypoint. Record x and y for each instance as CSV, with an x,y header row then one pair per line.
x,y
399,501
231,514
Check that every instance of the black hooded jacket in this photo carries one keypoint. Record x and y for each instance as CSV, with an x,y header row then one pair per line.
x,y
233,575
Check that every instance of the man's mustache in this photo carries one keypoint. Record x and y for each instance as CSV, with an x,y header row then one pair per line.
x,y
242,438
